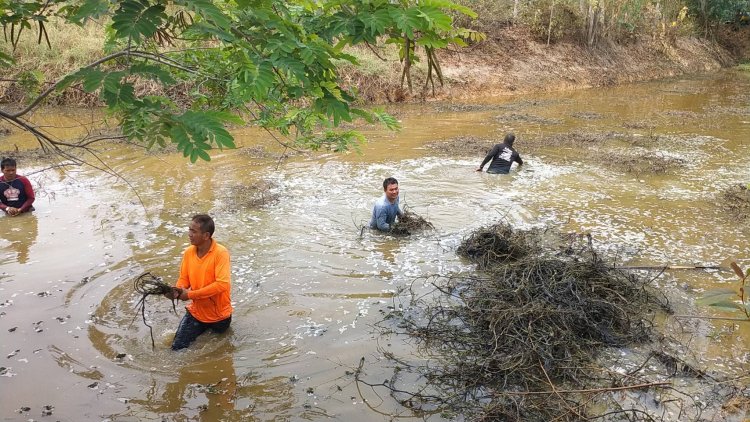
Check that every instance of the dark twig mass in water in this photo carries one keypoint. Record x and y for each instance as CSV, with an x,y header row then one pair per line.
x,y
518,339
736,201
148,284
410,222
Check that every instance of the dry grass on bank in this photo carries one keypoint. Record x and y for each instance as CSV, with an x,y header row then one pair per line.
x,y
70,48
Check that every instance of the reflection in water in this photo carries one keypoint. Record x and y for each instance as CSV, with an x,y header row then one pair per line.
x,y
387,246
19,234
208,388
205,384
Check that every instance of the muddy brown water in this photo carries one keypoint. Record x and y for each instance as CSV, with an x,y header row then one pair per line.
x,y
307,288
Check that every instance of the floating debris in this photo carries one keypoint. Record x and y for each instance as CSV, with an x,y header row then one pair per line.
x,y
248,196
47,410
736,201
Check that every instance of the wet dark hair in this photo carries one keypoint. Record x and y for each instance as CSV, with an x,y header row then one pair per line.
x,y
7,162
509,139
206,223
389,181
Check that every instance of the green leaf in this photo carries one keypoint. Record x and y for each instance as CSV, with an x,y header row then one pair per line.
x,y
134,20
432,41
208,11
203,155
6,60
92,78
447,4
376,23
435,17
407,21
152,72
89,9
728,306
717,295
389,121
68,80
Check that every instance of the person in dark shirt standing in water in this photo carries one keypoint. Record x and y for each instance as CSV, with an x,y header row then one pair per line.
x,y
502,156
16,193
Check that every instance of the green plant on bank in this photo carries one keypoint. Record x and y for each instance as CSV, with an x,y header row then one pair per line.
x,y
711,13
270,62
731,299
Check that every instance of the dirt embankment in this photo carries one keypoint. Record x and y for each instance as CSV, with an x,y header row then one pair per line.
x,y
510,61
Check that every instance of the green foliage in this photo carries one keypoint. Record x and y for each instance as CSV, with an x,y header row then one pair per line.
x,y
728,299
31,82
552,20
273,61
713,12
6,60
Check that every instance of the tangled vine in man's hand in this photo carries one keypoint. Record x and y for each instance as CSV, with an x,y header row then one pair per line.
x,y
148,284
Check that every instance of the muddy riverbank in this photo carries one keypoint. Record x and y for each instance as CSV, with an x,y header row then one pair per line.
x,y
511,62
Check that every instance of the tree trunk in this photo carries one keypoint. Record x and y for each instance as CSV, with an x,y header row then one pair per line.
x,y
549,28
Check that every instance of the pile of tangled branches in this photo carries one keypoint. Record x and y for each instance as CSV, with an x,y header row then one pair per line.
x,y
518,340
410,222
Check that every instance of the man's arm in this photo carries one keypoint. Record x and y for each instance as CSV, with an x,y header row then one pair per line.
x,y
380,218
29,194
183,282
519,160
493,152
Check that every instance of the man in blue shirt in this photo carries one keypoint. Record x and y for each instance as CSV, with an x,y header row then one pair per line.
x,y
386,208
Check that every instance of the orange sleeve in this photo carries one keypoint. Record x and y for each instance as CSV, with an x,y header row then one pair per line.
x,y
183,281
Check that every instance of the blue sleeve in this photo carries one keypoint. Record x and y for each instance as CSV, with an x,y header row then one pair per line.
x,y
381,216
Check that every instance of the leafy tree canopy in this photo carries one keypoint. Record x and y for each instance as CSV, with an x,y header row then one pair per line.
x,y
271,63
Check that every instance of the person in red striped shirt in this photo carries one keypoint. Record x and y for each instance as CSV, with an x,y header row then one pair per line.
x,y
16,193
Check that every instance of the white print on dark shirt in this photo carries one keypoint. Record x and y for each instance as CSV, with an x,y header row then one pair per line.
x,y
12,194
506,154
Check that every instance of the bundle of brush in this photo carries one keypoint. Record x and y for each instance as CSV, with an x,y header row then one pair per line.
x,y
408,223
148,284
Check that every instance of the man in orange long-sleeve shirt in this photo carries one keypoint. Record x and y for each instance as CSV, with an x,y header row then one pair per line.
x,y
205,280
